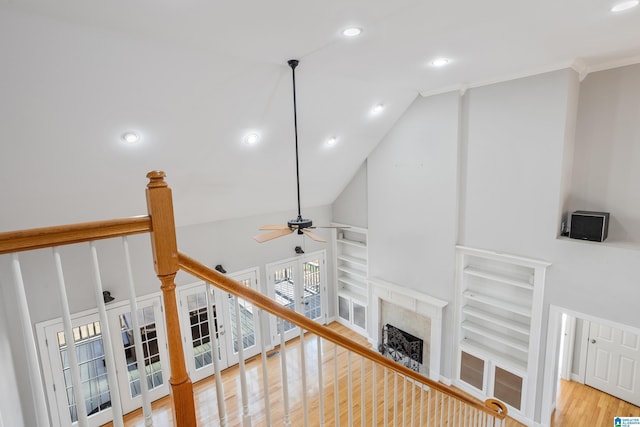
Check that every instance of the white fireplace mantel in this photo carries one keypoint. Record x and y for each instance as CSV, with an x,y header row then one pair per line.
x,y
409,299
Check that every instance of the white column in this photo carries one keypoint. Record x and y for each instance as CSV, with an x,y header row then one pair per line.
x,y
137,337
285,382
35,380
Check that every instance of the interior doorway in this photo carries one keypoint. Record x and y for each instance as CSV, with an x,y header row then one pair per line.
x,y
600,353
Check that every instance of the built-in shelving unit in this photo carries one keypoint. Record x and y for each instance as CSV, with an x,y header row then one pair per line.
x,y
499,308
351,276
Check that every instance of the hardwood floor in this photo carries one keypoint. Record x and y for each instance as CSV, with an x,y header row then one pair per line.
x,y
577,406
581,405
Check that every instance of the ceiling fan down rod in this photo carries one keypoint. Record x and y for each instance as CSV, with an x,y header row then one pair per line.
x,y
293,63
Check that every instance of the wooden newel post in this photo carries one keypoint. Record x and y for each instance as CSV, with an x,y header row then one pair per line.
x,y
165,258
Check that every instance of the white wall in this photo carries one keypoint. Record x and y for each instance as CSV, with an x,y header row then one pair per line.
x,y
350,207
514,157
607,153
412,183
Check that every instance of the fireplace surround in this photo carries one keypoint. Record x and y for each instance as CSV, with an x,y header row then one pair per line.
x,y
414,312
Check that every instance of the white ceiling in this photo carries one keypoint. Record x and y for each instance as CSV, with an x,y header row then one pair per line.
x,y
193,77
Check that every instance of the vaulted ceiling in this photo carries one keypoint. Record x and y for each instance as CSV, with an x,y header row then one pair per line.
x,y
194,77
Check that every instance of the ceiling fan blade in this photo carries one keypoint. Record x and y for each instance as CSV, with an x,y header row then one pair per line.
x,y
274,227
330,226
314,236
261,238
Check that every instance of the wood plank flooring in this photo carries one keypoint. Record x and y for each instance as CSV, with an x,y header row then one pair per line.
x,y
581,405
577,406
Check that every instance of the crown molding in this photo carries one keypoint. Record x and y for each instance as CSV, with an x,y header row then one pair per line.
x,y
579,65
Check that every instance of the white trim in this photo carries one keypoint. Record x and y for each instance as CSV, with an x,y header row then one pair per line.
x,y
579,65
582,364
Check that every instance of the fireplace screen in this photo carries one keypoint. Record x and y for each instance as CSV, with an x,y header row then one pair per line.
x,y
402,347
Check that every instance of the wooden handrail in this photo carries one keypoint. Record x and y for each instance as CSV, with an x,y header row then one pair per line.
x,y
229,285
37,238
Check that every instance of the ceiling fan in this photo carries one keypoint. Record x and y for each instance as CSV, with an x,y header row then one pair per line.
x,y
299,224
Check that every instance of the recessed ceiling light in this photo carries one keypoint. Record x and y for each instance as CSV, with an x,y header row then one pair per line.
x,y
130,137
440,62
332,141
352,32
377,108
624,5
252,138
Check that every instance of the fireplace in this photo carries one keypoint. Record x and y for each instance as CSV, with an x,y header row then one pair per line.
x,y
402,347
417,314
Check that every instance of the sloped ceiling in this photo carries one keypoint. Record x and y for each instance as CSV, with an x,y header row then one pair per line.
x,y
194,77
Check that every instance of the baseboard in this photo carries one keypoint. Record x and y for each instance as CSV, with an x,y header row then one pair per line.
x,y
576,378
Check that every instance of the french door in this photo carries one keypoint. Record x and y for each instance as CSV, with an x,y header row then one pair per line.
x,y
299,284
205,311
88,339
154,349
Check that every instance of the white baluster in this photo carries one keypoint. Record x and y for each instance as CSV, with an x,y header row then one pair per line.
x,y
395,399
265,375
320,381
35,380
285,382
413,403
421,413
114,390
78,394
137,338
386,397
303,368
404,401
246,418
336,388
374,392
363,404
213,339
349,391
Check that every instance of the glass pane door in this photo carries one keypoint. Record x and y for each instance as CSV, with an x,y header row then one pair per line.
x,y
200,319
154,354
299,284
312,288
283,291
87,336
248,319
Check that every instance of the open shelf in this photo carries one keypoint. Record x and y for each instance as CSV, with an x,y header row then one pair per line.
x,y
352,243
498,303
496,277
497,320
507,340
353,272
353,260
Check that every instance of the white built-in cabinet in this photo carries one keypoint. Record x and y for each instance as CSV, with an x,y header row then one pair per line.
x,y
350,276
499,311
